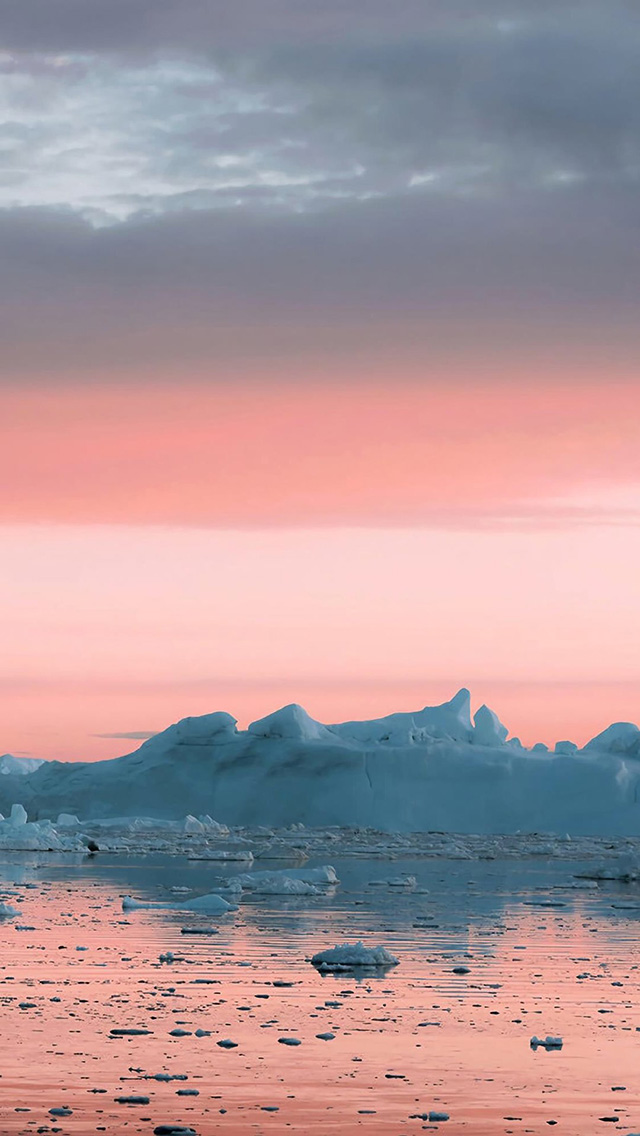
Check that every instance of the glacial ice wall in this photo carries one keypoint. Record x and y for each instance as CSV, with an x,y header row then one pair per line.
x,y
434,770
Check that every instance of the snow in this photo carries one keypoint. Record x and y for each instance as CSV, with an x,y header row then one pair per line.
x,y
347,956
434,770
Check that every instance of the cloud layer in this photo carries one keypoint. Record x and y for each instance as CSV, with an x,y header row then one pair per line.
x,y
228,187
309,111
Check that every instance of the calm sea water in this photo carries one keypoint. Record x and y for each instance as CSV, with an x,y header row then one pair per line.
x,y
541,958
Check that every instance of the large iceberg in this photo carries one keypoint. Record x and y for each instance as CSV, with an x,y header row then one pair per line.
x,y
436,769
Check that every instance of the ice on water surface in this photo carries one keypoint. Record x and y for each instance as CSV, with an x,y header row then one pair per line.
x,y
497,1008
159,914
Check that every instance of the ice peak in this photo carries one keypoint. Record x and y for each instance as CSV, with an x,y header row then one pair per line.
x,y
620,737
291,722
488,729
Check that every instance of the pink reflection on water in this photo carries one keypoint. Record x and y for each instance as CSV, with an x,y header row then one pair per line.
x,y
472,1060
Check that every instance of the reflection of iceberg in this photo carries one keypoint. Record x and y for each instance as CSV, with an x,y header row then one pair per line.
x,y
437,769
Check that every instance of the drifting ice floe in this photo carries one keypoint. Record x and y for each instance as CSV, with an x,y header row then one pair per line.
x,y
211,904
547,1042
288,881
348,956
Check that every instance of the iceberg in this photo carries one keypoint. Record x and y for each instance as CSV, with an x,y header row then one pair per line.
x,y
434,770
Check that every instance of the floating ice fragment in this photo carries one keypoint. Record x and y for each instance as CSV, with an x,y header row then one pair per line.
x,y
211,904
347,956
173,1130
546,1043
18,816
286,880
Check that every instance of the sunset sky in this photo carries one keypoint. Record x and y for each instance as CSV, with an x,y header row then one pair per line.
x,y
319,348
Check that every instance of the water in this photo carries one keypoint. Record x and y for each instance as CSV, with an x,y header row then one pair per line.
x,y
416,1039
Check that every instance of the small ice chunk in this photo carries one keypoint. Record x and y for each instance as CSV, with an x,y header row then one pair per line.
x,y
547,1042
18,815
346,956
173,1130
324,876
211,904
193,826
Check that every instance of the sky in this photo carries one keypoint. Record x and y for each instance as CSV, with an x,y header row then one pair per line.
x,y
319,350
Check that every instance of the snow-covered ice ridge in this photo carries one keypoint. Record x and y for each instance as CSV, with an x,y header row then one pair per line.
x,y
432,770
19,765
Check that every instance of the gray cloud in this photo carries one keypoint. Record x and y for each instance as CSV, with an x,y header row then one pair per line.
x,y
134,26
183,181
428,274
458,105
132,735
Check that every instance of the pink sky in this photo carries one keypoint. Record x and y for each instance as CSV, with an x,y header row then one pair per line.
x,y
263,453
449,538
